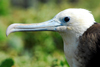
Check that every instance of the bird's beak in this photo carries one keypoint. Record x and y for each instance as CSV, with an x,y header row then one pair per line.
x,y
50,25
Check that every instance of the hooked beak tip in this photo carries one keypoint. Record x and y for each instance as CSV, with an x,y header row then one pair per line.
x,y
9,29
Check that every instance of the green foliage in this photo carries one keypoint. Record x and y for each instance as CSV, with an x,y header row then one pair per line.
x,y
4,7
2,32
7,63
36,49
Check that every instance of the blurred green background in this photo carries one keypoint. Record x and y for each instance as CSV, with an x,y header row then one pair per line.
x,y
35,49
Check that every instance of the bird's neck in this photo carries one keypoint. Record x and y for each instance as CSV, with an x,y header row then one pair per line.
x,y
70,46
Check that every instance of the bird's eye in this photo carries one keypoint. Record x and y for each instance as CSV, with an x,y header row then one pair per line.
x,y
66,19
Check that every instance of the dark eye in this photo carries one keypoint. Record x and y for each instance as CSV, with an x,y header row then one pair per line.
x,y
66,19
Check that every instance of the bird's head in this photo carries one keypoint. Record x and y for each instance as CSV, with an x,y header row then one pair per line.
x,y
68,21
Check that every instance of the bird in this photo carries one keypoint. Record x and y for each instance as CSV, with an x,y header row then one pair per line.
x,y
79,31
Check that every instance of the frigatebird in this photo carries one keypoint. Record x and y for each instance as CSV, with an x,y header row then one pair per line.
x,y
79,31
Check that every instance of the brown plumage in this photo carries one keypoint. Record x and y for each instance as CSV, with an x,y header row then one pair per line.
x,y
89,47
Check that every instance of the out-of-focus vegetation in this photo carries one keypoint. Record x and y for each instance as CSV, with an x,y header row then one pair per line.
x,y
35,49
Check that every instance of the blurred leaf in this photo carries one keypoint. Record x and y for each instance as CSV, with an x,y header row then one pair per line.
x,y
7,63
61,63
